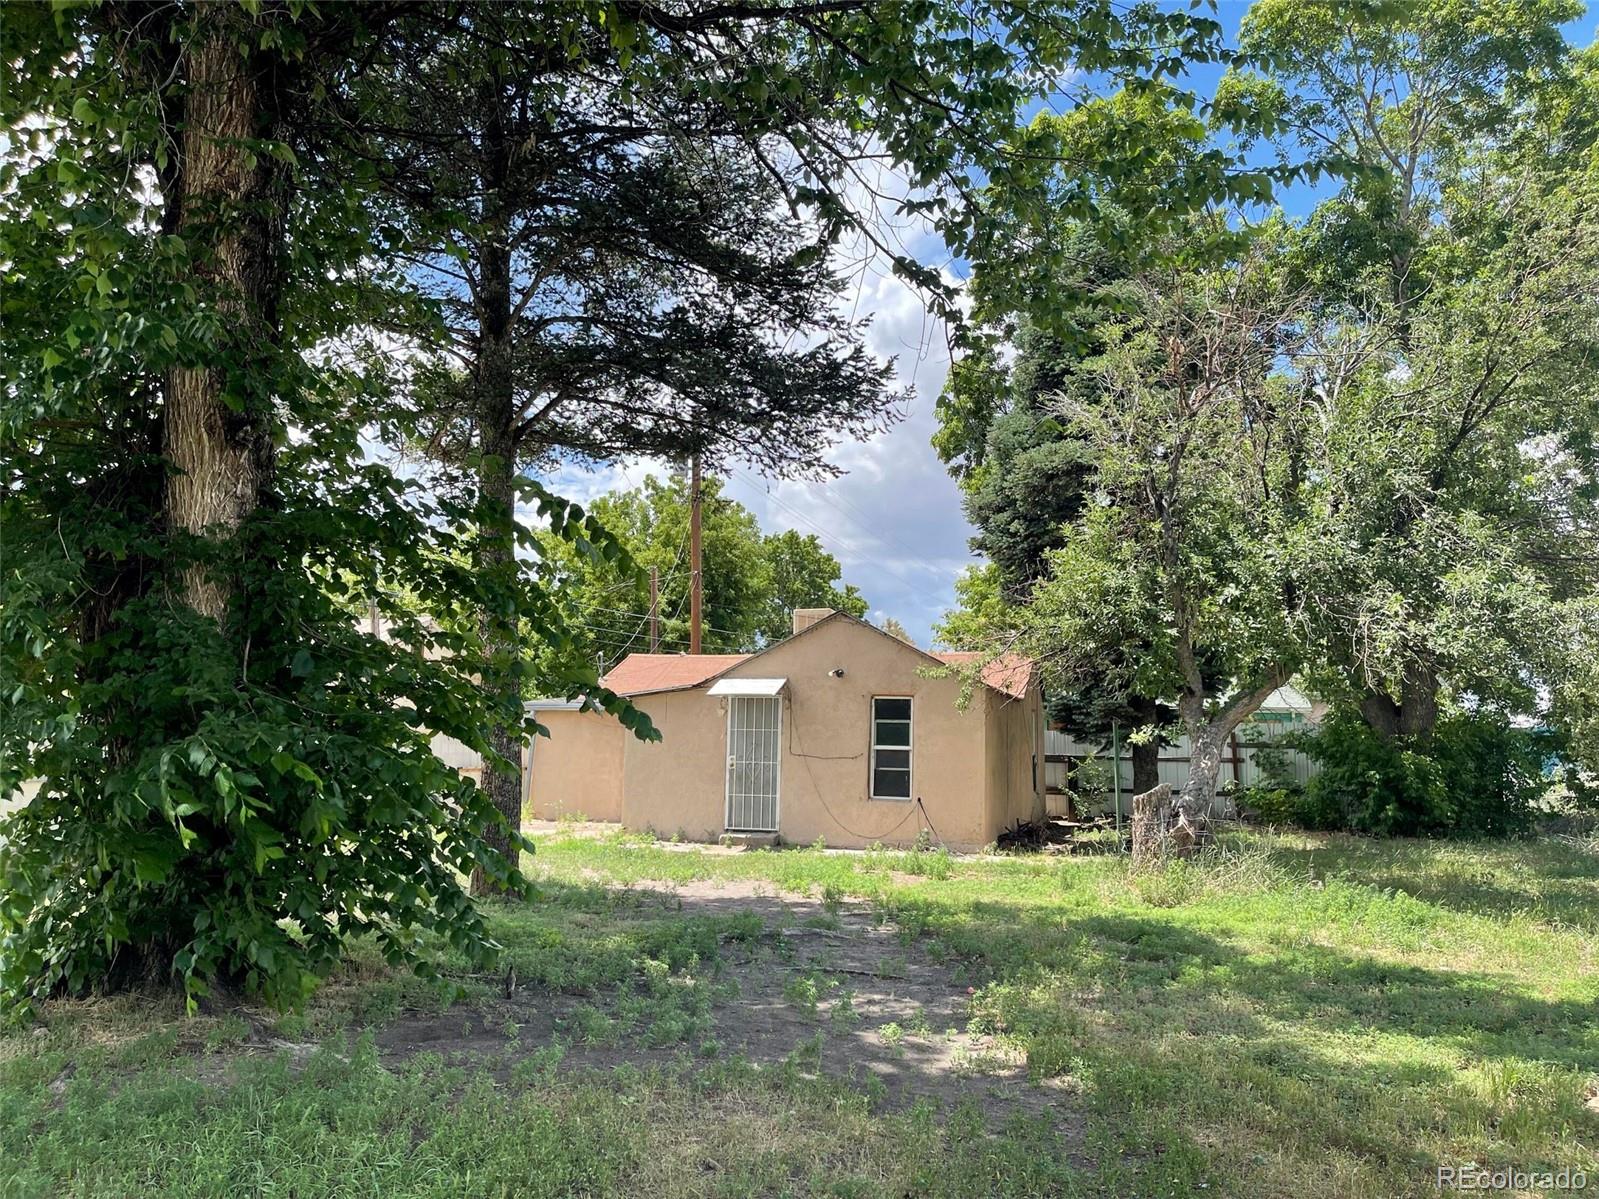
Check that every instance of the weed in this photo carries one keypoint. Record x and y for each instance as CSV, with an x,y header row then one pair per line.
x,y
593,1026
804,991
832,899
843,1015
893,1036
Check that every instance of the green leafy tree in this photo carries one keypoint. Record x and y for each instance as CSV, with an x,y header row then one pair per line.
x,y
1026,474
980,608
1193,547
752,582
1461,253
233,778
803,575
1440,303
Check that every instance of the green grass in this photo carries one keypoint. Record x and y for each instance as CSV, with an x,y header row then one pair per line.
x,y
1292,1016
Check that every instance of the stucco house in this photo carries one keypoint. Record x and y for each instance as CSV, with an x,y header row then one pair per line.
x,y
835,732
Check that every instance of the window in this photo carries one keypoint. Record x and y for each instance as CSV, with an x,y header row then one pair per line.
x,y
891,747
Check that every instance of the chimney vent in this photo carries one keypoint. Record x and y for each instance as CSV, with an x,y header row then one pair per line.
x,y
804,618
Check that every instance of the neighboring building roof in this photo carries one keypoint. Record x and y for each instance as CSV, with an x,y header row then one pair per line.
x,y
640,674
1009,674
1288,698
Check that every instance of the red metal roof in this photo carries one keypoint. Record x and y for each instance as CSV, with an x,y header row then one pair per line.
x,y
638,674
1009,674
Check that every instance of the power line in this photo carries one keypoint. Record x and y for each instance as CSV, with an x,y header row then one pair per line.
x,y
646,616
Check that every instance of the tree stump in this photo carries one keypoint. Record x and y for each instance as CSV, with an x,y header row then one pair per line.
x,y
1152,815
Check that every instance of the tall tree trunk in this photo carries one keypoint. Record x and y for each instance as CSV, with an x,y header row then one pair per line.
x,y
1145,754
495,412
1146,766
1414,713
232,205
1206,741
1418,709
1380,711
1207,736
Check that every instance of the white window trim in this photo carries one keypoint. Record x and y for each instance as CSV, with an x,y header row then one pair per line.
x,y
910,757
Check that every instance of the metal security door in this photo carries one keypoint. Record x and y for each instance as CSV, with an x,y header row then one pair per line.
x,y
754,735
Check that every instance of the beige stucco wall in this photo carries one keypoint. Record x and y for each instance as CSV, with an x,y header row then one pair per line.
x,y
676,786
1015,736
577,769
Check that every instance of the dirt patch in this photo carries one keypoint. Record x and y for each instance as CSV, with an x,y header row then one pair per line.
x,y
828,988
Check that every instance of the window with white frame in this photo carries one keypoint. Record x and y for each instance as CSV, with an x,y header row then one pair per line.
x,y
891,747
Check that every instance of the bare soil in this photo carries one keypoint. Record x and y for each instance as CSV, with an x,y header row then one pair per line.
x,y
884,1010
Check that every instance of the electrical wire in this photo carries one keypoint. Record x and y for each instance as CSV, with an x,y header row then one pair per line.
x,y
821,794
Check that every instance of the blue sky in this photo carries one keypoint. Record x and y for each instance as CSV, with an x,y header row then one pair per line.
x,y
893,517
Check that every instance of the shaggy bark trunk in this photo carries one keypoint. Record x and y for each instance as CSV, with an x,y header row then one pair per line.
x,y
1197,800
231,206
494,405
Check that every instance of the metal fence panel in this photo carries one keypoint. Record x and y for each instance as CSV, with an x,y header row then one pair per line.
x,y
1241,764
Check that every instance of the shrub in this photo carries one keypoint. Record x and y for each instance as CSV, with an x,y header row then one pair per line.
x,y
1474,775
233,801
1494,774
1271,805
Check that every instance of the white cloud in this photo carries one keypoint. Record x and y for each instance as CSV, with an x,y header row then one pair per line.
x,y
893,518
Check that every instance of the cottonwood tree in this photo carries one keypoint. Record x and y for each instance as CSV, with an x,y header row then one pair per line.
x,y
1193,542
231,778
1465,243
1459,477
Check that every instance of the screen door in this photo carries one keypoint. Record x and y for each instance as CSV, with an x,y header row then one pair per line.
x,y
754,733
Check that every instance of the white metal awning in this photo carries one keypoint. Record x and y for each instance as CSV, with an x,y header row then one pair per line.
x,y
767,687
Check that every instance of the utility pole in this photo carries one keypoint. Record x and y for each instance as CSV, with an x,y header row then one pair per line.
x,y
655,610
696,581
